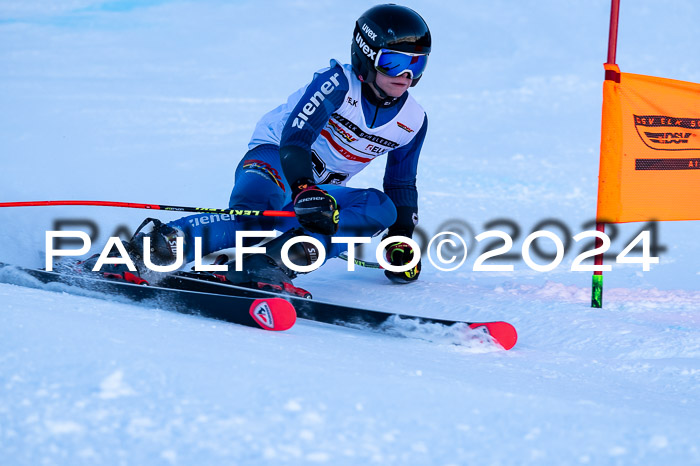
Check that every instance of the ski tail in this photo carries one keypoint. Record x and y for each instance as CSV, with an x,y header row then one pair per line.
x,y
274,314
503,332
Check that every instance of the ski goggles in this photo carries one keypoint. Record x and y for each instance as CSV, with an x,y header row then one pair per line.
x,y
393,63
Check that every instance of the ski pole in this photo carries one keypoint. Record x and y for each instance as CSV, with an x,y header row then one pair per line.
x,y
172,208
360,262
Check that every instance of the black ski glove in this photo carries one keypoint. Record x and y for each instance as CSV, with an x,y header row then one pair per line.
x,y
317,211
401,254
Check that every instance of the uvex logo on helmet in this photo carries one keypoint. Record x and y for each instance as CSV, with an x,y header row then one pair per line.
x,y
368,30
366,49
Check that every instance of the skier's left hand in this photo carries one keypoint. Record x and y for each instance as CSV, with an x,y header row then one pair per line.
x,y
401,254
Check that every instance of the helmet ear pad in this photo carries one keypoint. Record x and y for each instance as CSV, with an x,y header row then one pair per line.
x,y
361,65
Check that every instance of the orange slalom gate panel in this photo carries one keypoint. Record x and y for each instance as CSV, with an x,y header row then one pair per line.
x,y
649,149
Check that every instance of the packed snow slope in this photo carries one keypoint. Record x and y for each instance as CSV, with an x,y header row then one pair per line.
x,y
154,102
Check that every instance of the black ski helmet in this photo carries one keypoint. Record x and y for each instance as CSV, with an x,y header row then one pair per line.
x,y
389,26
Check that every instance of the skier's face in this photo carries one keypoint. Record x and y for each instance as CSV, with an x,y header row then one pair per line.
x,y
396,86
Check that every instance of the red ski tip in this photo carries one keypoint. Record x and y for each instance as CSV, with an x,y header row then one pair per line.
x,y
503,332
273,314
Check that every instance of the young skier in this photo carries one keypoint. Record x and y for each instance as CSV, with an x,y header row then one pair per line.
x,y
303,153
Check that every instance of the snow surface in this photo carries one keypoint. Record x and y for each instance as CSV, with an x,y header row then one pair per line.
x,y
154,101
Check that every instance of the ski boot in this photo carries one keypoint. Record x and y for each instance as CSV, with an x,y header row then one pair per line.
x,y
162,249
268,272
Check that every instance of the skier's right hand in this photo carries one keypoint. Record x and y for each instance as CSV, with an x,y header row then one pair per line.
x,y
316,210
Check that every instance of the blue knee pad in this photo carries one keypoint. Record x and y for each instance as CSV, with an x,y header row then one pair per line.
x,y
259,185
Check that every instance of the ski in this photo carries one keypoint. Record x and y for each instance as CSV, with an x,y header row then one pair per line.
x,y
331,313
264,312
206,295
